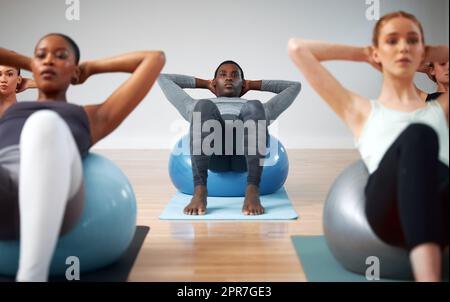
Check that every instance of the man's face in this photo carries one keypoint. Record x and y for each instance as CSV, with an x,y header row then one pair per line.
x,y
228,81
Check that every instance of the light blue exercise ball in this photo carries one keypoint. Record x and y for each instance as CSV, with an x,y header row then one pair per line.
x,y
229,184
106,227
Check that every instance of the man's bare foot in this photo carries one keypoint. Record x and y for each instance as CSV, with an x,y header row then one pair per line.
x,y
252,203
198,202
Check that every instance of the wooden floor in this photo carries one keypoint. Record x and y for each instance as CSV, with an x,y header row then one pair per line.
x,y
226,251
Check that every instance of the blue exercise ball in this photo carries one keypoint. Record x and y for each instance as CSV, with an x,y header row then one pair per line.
x,y
106,227
229,183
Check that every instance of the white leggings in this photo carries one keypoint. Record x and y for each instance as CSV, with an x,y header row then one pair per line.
x,y
50,174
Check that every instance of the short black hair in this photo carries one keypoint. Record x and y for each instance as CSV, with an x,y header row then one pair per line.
x,y
18,71
71,42
229,62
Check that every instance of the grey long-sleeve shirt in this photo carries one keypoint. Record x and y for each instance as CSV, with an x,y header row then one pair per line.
x,y
172,85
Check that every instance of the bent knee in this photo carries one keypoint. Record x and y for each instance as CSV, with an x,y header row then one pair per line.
x,y
42,127
420,134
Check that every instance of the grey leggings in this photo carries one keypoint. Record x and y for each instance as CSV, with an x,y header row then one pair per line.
x,y
9,207
249,161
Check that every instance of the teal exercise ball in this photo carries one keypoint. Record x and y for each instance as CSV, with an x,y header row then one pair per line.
x,y
105,229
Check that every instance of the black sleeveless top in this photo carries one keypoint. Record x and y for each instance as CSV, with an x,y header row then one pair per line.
x,y
433,96
14,118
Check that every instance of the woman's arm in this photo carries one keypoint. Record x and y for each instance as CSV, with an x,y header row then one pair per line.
x,y
307,55
439,53
425,68
14,59
436,54
25,84
145,66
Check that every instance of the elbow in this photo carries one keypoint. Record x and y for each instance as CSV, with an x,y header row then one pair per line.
x,y
158,57
161,79
296,47
295,88
161,57
298,88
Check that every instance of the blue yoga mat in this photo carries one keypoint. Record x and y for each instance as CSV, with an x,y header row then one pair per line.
x,y
319,264
277,205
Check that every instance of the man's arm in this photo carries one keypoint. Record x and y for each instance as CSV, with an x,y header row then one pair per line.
x,y
286,93
172,85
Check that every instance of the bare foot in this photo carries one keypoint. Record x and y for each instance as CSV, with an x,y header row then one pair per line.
x,y
198,202
252,203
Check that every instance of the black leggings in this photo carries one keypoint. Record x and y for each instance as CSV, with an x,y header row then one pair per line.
x,y
250,161
407,196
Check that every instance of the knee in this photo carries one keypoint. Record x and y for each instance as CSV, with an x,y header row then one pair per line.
x,y
254,110
420,135
41,128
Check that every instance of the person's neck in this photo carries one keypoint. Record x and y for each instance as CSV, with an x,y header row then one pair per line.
x,y
57,96
442,87
6,102
399,91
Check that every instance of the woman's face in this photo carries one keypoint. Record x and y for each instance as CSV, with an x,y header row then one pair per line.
x,y
9,80
440,72
53,64
400,49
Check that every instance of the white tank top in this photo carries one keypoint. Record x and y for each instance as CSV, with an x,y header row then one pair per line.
x,y
385,125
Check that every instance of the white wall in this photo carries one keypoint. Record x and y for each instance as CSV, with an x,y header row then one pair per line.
x,y
446,18
196,35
